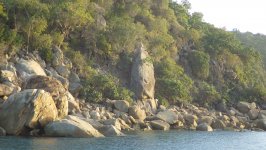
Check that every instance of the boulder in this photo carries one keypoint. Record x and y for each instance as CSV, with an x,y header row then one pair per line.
x,y
59,58
63,71
110,130
95,115
114,122
7,75
159,125
261,123
191,119
73,105
253,114
5,90
136,112
74,84
262,114
142,74
218,124
61,64
168,116
2,132
245,107
54,87
121,105
27,68
150,105
205,119
204,127
28,109
71,126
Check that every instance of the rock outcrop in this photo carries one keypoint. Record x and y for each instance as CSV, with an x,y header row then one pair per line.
x,y
142,74
29,109
71,126
54,87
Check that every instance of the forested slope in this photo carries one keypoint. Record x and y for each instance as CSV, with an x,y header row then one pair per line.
x,y
193,60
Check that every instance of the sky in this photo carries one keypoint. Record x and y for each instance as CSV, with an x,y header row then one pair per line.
x,y
245,15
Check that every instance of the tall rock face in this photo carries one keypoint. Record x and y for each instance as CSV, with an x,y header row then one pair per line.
x,y
142,74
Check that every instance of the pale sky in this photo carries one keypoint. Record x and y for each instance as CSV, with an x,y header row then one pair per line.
x,y
245,15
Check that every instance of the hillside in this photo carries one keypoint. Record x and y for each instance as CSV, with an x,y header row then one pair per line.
x,y
257,41
194,62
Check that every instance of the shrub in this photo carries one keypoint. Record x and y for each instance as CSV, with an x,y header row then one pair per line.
x,y
99,87
199,63
171,82
207,94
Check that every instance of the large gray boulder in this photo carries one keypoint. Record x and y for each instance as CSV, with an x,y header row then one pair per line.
x,y
28,109
110,130
61,64
121,105
71,126
73,104
159,125
54,87
136,112
262,114
74,84
142,74
253,114
168,116
245,107
261,123
27,68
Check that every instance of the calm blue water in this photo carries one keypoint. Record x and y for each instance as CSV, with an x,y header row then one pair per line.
x,y
154,140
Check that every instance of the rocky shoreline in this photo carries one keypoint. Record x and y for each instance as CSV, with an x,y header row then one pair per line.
x,y
41,100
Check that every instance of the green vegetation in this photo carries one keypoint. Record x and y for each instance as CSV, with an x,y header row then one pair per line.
x,y
194,61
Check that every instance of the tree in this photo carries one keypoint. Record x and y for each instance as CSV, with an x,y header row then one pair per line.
x,y
199,63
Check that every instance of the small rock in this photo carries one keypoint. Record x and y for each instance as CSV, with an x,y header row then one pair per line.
x,y
204,127
191,119
5,90
205,119
218,124
114,122
95,115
